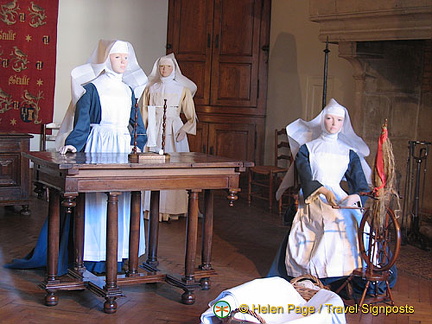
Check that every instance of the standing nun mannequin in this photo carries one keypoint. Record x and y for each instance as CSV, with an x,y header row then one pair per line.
x,y
323,240
97,120
167,82
103,90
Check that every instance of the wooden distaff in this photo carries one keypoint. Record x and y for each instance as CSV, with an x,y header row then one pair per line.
x,y
383,177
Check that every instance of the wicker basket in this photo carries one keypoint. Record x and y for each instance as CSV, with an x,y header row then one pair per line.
x,y
307,293
232,320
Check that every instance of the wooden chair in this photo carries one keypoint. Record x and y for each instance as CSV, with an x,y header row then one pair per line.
x,y
289,200
52,129
263,180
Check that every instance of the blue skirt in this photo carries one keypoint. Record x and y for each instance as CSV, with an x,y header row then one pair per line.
x,y
37,258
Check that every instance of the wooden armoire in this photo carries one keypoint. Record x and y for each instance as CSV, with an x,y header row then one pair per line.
x,y
222,45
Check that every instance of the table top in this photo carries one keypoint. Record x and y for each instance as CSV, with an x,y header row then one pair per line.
x,y
96,172
15,135
90,161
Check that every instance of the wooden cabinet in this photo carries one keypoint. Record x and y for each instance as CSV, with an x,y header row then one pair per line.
x,y
14,171
222,46
221,135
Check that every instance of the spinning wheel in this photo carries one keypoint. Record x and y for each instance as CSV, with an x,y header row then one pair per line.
x,y
379,245
379,249
379,232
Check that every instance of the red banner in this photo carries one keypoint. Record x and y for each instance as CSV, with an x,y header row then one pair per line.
x,y
28,39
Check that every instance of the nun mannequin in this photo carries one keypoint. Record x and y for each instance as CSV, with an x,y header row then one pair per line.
x,y
102,117
102,107
167,82
323,240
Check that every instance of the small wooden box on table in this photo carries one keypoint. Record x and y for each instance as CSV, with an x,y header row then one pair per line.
x,y
70,176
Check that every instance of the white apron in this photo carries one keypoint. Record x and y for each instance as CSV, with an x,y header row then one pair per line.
x,y
323,241
111,135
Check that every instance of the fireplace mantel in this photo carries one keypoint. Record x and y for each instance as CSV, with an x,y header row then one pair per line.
x,y
366,20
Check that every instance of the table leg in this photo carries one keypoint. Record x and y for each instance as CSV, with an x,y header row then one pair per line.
x,y
112,291
79,218
135,214
191,247
153,231
51,299
207,237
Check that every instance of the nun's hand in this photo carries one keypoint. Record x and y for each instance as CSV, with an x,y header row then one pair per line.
x,y
351,200
67,148
331,199
180,135
138,150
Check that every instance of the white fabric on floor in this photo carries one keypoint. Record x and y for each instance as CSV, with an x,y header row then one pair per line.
x,y
287,303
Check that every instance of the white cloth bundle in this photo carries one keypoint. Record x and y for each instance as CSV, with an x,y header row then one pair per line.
x,y
277,302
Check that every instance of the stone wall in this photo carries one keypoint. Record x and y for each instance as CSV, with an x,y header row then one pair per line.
x,y
388,44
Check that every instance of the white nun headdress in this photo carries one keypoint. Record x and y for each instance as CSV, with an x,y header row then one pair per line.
x,y
97,63
176,74
301,132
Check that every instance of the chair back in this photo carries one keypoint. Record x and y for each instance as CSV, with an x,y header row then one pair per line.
x,y
282,153
49,133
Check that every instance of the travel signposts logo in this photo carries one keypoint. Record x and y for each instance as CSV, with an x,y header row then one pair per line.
x,y
221,309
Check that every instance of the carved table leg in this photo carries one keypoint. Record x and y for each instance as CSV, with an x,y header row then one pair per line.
x,y
112,291
79,219
233,195
134,238
152,261
191,247
207,237
51,299
51,284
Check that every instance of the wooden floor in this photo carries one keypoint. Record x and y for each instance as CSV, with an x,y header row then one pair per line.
x,y
245,241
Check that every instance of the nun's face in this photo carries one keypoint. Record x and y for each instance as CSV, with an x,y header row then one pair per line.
x,y
119,62
165,69
333,123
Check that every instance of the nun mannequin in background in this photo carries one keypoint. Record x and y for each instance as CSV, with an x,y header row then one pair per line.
x,y
98,120
323,240
167,82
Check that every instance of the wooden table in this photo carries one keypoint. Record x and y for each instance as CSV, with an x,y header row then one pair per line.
x,y
71,176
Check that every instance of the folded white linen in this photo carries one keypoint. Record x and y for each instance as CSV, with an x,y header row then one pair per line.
x,y
277,302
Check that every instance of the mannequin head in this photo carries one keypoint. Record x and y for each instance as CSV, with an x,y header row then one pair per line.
x,y
166,66
118,56
119,62
333,123
333,117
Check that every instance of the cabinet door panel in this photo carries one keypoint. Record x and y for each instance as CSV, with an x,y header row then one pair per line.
x,y
231,86
197,72
190,30
10,169
198,142
235,141
236,26
236,54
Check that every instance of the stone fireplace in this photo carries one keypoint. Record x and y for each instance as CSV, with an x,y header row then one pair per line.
x,y
388,44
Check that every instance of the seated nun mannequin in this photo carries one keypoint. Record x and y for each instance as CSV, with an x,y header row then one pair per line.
x,y
323,241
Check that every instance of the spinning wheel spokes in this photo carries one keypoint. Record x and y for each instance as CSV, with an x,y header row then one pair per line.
x,y
379,246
